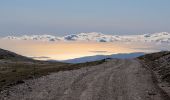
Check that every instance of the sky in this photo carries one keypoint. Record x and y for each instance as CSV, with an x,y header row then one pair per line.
x,y
61,17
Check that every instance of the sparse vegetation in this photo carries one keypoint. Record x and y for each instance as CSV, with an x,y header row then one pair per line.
x,y
14,71
158,62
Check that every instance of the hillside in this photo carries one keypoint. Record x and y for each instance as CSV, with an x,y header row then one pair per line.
x,y
115,79
7,55
145,78
159,64
14,68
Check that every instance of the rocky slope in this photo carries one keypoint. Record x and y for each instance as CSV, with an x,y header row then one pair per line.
x,y
159,64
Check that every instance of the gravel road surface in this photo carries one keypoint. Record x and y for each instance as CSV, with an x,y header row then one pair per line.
x,y
113,80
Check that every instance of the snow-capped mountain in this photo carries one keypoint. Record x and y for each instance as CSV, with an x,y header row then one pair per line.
x,y
163,37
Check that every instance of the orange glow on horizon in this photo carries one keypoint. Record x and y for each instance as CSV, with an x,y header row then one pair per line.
x,y
66,50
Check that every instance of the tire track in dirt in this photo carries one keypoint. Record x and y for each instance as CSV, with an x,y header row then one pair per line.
x,y
124,79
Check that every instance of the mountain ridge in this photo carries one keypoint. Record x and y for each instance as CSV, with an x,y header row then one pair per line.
x,y
100,57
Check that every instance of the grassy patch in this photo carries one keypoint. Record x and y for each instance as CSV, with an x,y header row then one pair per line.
x,y
12,73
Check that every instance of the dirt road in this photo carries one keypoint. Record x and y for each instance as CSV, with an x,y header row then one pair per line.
x,y
113,80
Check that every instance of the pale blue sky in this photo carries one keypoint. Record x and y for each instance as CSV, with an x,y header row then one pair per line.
x,y
71,16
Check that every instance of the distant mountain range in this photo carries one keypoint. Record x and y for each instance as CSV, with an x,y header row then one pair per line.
x,y
162,37
100,57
